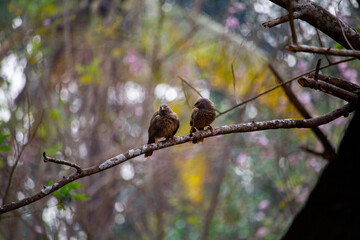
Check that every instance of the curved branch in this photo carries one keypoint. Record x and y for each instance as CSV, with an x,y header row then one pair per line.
x,y
132,153
323,20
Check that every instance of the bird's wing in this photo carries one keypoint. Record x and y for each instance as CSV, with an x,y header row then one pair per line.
x,y
176,121
193,116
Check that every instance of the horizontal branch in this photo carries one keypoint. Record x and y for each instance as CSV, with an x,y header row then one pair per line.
x,y
63,162
329,89
341,83
132,153
322,50
282,19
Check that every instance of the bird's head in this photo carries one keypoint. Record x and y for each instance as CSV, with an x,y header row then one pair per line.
x,y
164,109
203,103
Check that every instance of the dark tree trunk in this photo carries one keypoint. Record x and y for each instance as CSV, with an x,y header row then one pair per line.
x,y
333,208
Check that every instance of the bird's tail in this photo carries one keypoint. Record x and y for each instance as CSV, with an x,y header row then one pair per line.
x,y
198,141
151,140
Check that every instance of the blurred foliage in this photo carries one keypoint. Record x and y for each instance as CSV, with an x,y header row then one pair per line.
x,y
65,194
93,72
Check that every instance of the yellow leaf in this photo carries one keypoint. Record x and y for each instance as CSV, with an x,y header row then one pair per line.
x,y
86,79
192,174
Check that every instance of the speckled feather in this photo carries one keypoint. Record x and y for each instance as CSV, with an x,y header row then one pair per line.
x,y
164,123
202,115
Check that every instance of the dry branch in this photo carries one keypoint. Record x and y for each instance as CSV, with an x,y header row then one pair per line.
x,y
323,20
283,19
322,50
329,89
132,153
63,162
341,83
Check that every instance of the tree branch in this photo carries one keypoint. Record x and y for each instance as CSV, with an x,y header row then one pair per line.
x,y
63,162
341,83
323,20
283,19
132,153
329,152
329,89
322,50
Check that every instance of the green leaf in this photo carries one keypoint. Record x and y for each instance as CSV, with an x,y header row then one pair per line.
x,y
5,148
61,206
3,137
65,194
357,29
339,46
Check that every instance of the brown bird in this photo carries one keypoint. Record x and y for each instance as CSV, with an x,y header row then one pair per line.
x,y
164,123
202,115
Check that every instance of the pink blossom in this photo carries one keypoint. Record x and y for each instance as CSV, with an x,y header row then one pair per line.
x,y
305,98
293,159
46,22
239,6
134,61
242,160
232,22
264,204
263,141
262,232
38,229
232,10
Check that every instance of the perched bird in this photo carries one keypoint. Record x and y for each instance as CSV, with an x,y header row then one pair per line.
x,y
164,123
202,115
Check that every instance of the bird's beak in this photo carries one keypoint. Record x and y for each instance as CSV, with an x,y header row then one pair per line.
x,y
162,108
195,106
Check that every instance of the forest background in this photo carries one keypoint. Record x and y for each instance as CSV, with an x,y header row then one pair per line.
x,y
80,81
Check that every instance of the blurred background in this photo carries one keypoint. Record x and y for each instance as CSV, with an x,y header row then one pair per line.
x,y
81,79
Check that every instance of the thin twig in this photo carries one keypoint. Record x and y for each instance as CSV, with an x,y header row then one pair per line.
x,y
282,19
329,152
316,75
291,20
189,85
320,50
321,44
341,26
279,85
132,153
63,162
233,75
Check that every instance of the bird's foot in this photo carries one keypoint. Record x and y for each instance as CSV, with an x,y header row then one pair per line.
x,y
211,129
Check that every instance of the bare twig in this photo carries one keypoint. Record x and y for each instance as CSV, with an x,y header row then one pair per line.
x,y
323,20
329,89
189,85
321,50
291,20
322,45
132,153
329,152
316,75
233,75
63,162
309,150
279,85
341,83
283,19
